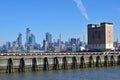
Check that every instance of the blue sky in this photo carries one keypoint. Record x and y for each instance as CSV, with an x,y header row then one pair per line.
x,y
66,17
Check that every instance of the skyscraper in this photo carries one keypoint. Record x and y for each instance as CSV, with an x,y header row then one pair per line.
x,y
8,45
27,36
73,41
49,37
19,40
32,40
45,45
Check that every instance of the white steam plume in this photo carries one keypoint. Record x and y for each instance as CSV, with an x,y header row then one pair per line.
x,y
82,8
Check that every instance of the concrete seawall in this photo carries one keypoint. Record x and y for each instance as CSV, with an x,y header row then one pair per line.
x,y
11,63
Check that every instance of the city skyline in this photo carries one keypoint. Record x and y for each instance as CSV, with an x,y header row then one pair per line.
x,y
47,45
31,38
66,17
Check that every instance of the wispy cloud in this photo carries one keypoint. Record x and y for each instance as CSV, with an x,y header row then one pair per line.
x,y
82,8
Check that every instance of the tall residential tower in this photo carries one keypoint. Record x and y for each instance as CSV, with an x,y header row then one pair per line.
x,y
28,34
19,40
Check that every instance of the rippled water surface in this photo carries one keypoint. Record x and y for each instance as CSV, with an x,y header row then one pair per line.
x,y
112,73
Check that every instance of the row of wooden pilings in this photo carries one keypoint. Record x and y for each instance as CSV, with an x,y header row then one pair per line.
x,y
76,63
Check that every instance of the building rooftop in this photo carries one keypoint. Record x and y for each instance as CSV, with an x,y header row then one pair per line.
x,y
97,26
93,25
106,23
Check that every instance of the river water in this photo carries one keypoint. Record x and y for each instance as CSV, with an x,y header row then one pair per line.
x,y
111,73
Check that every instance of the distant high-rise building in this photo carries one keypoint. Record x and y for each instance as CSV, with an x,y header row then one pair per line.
x,y
100,37
78,40
14,43
8,45
73,41
32,40
49,41
74,44
73,48
19,40
28,34
45,45
59,41
4,49
49,37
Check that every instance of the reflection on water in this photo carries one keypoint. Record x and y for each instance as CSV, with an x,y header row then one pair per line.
x,y
112,73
